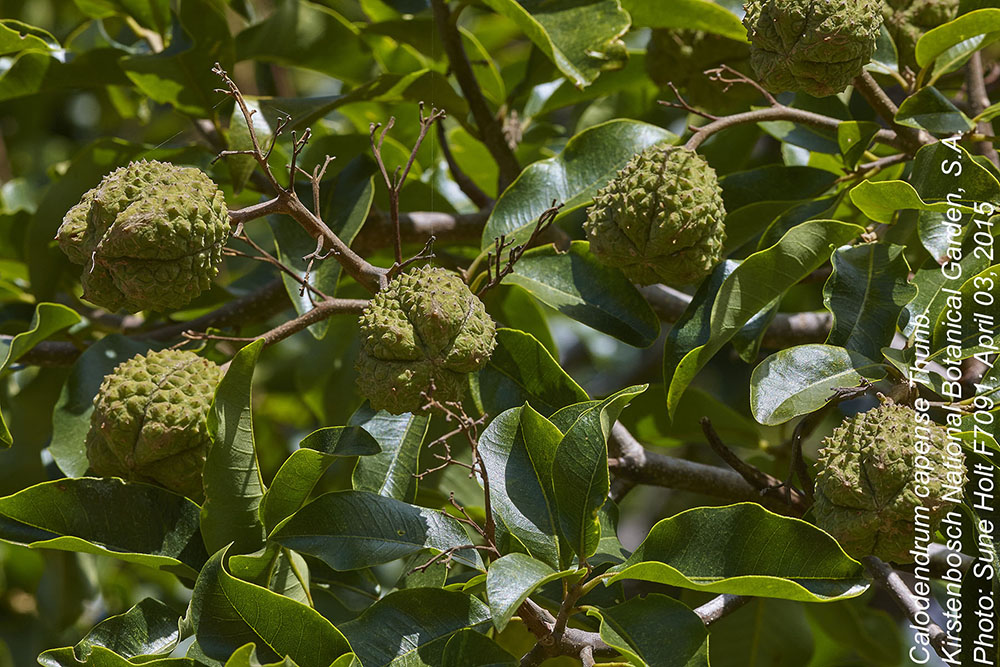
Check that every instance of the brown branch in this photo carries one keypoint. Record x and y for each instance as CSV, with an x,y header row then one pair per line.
x,y
720,606
979,100
417,227
910,138
490,130
786,330
645,467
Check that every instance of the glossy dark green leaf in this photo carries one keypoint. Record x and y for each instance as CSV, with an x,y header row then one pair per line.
x,y
513,308
517,450
71,418
773,183
181,75
468,648
233,486
306,34
302,470
102,657
511,579
744,549
580,475
520,371
228,613
148,628
581,38
761,278
576,284
349,530
689,14
49,318
635,629
928,109
246,656
866,292
390,473
410,628
134,522
572,178
800,380
275,568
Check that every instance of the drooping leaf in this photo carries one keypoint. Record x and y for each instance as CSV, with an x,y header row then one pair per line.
x,y
744,549
582,38
979,27
511,579
755,283
49,318
854,138
580,477
866,292
149,628
350,530
928,109
800,380
572,178
134,522
521,370
302,470
410,628
390,473
517,450
576,284
228,613
635,629
233,486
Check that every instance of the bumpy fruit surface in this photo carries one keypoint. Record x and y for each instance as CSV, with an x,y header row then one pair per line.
x,y
150,236
813,46
150,420
869,474
424,332
661,219
908,20
681,57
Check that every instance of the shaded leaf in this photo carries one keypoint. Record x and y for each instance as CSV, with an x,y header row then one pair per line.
x,y
390,473
511,579
929,110
635,629
468,648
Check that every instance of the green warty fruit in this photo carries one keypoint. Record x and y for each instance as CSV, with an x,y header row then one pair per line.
x,y
150,420
908,20
867,486
661,219
811,46
423,333
150,236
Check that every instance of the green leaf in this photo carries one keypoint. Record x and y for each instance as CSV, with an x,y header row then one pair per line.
x,y
49,318
576,284
228,613
866,292
928,109
649,423
686,14
978,309
134,522
763,632
181,74
580,476
517,450
801,379
351,198
233,486
635,629
148,628
275,568
760,279
511,579
881,200
246,656
390,473
744,549
572,178
468,648
934,43
410,628
349,530
854,138
152,14
16,36
308,35
581,37
102,657
301,471
522,371
71,417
